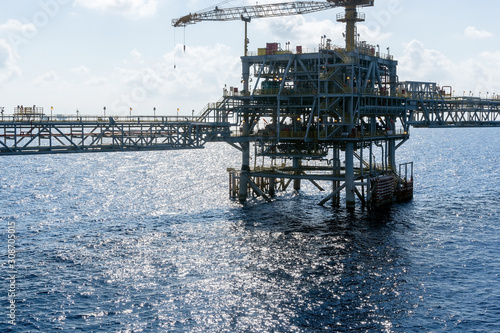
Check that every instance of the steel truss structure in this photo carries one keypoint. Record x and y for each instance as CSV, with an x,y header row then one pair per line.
x,y
431,106
320,116
32,134
257,11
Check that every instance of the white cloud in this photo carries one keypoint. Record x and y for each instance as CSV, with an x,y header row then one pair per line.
x,y
478,74
472,32
96,81
89,80
18,34
15,26
46,79
419,63
298,30
81,70
137,56
13,34
307,31
131,8
199,75
8,66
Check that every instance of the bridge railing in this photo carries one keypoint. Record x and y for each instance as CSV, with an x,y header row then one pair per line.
x,y
66,118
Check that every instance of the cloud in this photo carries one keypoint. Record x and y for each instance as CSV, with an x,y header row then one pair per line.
x,y
13,33
478,74
136,56
198,77
422,63
307,31
81,70
96,81
15,26
8,66
472,32
298,30
48,78
131,8
84,71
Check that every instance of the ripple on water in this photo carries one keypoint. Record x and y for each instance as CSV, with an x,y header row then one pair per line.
x,y
149,241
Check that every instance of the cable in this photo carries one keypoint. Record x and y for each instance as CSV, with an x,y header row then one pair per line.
x,y
175,65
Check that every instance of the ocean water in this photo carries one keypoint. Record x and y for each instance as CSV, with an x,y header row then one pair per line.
x,y
149,241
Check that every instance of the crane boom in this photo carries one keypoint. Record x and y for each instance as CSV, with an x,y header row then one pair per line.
x,y
246,13
257,11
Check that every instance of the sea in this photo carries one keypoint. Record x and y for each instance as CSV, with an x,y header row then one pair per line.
x,y
150,242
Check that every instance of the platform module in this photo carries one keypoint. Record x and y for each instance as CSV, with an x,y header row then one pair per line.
x,y
327,115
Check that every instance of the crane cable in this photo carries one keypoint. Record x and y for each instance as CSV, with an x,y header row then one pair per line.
x,y
175,45
203,10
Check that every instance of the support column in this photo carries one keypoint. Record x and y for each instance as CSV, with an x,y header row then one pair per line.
x,y
245,132
391,145
349,175
370,174
336,173
296,167
391,154
272,187
245,170
373,125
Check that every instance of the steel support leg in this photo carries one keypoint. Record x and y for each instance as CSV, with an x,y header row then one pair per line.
x,y
272,187
336,173
245,169
245,146
391,152
349,175
296,167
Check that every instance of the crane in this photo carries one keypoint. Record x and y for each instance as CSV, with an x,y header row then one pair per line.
x,y
246,13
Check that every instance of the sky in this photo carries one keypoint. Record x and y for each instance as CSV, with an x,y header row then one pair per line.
x,y
89,54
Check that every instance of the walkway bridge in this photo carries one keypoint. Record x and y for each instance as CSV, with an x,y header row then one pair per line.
x,y
28,133
430,106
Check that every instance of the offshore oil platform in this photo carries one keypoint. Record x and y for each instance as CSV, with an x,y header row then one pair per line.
x,y
335,115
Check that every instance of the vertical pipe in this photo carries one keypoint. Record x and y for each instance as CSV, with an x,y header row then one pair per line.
x,y
296,167
391,152
369,178
391,149
245,146
373,126
361,168
230,185
336,173
349,174
272,187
